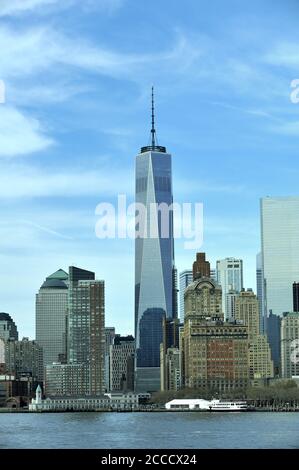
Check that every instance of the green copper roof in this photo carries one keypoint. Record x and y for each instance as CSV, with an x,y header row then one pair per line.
x,y
60,274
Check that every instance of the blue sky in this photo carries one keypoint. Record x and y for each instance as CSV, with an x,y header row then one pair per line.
x,y
78,81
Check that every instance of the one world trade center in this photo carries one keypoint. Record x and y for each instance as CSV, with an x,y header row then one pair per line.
x,y
155,274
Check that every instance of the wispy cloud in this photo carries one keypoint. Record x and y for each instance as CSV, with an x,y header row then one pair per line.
x,y
19,7
45,229
30,181
285,54
20,134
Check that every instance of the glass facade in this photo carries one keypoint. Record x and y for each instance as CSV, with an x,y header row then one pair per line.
x,y
229,274
50,316
280,251
186,278
260,292
154,256
8,329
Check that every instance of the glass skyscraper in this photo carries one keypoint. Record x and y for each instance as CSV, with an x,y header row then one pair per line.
x,y
50,316
229,275
155,289
280,251
186,277
260,291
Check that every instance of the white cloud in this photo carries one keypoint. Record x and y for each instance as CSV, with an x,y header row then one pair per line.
x,y
284,54
19,7
12,7
20,134
29,181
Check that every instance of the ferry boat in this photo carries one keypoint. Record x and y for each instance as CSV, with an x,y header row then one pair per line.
x,y
206,405
222,405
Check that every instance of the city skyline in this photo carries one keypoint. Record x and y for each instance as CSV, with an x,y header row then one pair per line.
x,y
223,109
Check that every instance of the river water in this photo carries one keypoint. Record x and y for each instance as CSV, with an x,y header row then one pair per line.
x,y
173,430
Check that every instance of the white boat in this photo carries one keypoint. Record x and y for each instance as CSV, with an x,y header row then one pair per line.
x,y
206,405
222,405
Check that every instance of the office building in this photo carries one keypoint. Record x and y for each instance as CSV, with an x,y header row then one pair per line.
x,y
215,352
66,380
229,275
280,251
290,345
8,329
24,358
170,369
154,259
50,316
295,296
247,312
201,267
86,327
170,357
186,277
260,292
274,337
231,297
109,338
121,352
2,356
260,360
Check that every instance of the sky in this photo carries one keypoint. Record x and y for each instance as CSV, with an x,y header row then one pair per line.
x,y
78,79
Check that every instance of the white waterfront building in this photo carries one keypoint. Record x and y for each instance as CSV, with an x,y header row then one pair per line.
x,y
107,402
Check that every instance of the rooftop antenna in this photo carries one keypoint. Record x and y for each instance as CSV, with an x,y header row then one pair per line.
x,y
154,147
153,131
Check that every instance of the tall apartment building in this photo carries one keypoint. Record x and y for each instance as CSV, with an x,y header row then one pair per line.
x,y
50,316
2,356
260,292
186,277
66,380
24,358
260,360
295,296
170,356
247,312
8,329
215,353
229,275
109,338
170,369
86,326
231,297
121,351
290,345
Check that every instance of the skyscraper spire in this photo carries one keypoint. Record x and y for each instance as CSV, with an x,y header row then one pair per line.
x,y
153,147
153,131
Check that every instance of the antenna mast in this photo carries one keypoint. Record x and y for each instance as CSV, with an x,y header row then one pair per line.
x,y
153,131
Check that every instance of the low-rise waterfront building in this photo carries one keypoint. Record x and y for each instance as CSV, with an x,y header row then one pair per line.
x,y
106,402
